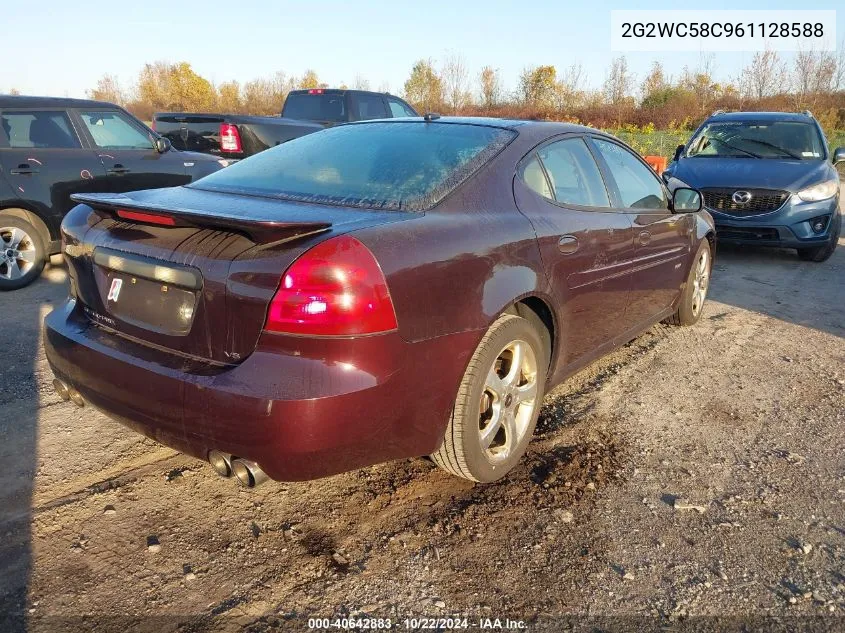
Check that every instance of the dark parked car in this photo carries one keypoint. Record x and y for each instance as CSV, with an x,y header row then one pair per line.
x,y
237,136
52,148
371,292
767,178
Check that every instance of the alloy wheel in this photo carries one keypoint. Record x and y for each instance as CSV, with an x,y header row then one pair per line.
x,y
508,401
700,282
17,253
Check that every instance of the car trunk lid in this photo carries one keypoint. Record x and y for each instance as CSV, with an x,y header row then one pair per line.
x,y
193,272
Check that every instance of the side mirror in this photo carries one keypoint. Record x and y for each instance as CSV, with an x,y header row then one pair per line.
x,y
686,200
678,151
162,144
839,155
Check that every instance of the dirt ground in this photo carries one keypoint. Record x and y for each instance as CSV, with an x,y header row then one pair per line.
x,y
693,479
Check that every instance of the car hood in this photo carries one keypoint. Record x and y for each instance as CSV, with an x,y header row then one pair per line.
x,y
788,175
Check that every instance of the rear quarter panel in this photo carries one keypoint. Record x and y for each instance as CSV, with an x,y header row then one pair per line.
x,y
458,266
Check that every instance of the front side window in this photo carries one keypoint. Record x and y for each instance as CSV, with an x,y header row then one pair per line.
x,y
399,109
761,139
371,107
400,165
573,176
113,130
638,185
48,130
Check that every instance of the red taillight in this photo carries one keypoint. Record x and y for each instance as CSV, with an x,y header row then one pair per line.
x,y
335,289
149,218
230,138
316,91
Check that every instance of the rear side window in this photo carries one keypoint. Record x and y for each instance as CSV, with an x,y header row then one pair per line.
x,y
389,165
113,130
638,186
39,130
371,107
398,109
574,177
316,107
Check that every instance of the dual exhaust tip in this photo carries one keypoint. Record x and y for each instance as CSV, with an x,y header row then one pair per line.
x,y
67,392
247,472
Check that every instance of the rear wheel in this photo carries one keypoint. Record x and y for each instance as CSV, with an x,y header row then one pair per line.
x,y
498,401
22,253
823,253
695,290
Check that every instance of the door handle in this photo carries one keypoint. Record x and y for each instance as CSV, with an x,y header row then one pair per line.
x,y
23,169
567,244
119,169
645,238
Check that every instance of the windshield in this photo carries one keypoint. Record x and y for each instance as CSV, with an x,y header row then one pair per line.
x,y
760,139
325,106
387,165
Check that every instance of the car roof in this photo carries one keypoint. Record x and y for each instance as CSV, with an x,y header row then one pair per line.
x,y
762,116
522,125
24,101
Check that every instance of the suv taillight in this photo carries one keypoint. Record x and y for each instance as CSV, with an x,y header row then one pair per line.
x,y
230,138
335,289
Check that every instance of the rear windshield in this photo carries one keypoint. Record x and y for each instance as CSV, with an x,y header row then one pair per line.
x,y
386,165
316,107
760,139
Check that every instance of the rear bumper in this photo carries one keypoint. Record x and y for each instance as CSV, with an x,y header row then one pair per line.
x,y
302,408
788,227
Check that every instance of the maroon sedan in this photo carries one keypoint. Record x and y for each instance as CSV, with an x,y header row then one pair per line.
x,y
370,292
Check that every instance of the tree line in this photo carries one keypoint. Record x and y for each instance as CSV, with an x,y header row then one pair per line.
x,y
809,80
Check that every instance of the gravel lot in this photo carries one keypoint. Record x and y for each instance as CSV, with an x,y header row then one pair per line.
x,y
694,478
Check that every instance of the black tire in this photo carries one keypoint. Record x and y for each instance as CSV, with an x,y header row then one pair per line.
x,y
823,253
29,244
462,453
692,303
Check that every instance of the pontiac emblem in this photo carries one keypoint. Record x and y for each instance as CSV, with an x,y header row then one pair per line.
x,y
114,291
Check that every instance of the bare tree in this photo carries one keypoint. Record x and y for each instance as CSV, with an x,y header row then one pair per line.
x,y
361,83
815,72
618,82
455,82
655,81
764,76
491,86
108,89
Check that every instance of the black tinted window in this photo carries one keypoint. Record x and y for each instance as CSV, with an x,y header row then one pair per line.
x,y
318,106
638,185
39,129
371,107
573,174
401,165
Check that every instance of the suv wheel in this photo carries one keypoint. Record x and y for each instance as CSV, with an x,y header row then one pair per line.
x,y
823,253
498,401
22,253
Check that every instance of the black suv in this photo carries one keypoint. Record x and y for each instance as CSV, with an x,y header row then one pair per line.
x,y
51,148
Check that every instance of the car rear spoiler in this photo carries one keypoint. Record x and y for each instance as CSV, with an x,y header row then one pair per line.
x,y
259,230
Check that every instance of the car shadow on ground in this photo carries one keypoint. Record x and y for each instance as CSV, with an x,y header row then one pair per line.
x,y
20,400
776,282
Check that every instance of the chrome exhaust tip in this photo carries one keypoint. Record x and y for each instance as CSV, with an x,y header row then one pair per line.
x,y
221,463
249,473
61,389
75,397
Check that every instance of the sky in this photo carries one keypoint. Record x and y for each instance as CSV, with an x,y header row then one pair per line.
x,y
62,48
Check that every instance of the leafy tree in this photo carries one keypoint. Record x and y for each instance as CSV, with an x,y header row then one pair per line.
x,y
538,86
311,80
424,88
491,86
229,97
655,82
175,87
